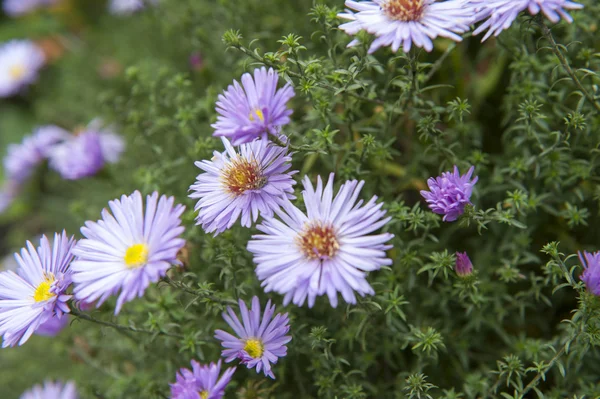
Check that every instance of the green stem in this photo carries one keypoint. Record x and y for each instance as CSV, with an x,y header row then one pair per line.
x,y
119,327
565,64
181,286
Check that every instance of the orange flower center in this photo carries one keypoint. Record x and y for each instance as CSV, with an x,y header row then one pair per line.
x,y
318,241
242,175
404,10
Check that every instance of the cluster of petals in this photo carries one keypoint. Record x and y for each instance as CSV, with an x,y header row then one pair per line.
x,y
36,292
16,8
127,249
254,180
449,193
499,15
201,382
591,271
258,341
327,250
52,390
253,109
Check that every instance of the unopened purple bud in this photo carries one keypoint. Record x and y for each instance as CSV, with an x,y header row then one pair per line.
x,y
196,61
464,267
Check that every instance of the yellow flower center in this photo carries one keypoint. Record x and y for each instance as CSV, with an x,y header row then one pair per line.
x,y
16,71
136,256
204,394
254,347
404,10
42,292
242,175
318,241
258,113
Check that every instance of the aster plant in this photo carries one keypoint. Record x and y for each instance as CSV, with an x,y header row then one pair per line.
x,y
407,23
52,390
37,292
20,63
201,382
449,193
327,250
244,183
498,15
254,109
127,250
259,341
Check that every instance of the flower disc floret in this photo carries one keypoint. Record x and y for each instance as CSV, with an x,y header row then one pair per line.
x,y
128,249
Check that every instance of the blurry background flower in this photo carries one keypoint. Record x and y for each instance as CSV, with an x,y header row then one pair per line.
x,y
52,390
19,7
20,62
127,7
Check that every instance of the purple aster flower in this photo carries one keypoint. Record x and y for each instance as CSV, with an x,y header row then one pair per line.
x,y
22,159
500,14
202,382
253,109
127,7
403,23
52,390
591,271
128,249
19,7
245,183
449,193
258,342
328,250
463,267
20,62
36,292
86,153
52,326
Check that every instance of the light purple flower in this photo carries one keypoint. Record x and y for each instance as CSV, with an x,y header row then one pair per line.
x,y
463,266
253,109
36,292
20,63
402,23
591,271
202,382
52,390
449,193
328,250
86,153
500,14
127,7
245,183
128,249
259,342
19,7
22,159
52,326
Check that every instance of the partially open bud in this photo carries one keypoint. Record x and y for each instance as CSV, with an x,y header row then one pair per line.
x,y
464,267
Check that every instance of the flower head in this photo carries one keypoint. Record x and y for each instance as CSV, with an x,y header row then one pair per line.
x,y
52,390
84,154
259,342
20,62
449,193
19,7
36,292
252,181
128,249
127,7
253,109
591,271
402,23
328,250
463,267
202,382
22,159
500,14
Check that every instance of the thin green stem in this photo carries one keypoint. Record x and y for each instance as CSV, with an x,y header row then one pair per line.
x,y
119,327
565,64
183,287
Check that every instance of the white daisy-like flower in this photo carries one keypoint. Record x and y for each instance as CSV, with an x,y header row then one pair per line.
x,y
20,62
402,23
